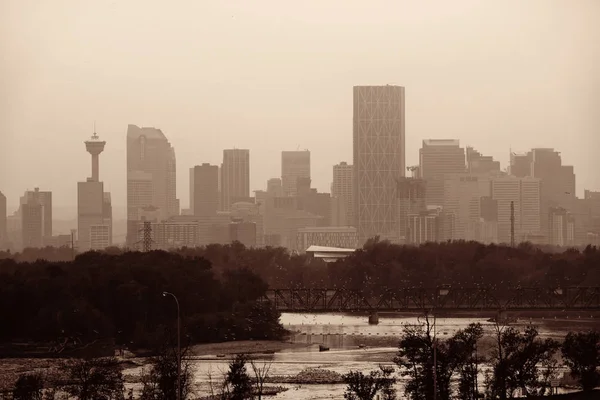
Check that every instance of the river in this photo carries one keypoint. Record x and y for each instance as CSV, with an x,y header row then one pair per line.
x,y
343,333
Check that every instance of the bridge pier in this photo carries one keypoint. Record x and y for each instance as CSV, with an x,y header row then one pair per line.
x,y
373,318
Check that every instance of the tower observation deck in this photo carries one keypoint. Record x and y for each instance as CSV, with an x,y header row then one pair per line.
x,y
94,146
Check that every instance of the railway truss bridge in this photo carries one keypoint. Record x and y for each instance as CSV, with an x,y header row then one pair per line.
x,y
449,299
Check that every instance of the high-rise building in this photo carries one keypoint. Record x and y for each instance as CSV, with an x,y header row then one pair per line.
x,y
480,164
206,189
379,158
411,201
294,165
32,225
520,164
3,226
557,183
341,187
428,226
235,177
561,227
524,194
438,157
172,200
191,186
243,232
316,203
274,187
150,171
94,209
462,197
338,212
36,217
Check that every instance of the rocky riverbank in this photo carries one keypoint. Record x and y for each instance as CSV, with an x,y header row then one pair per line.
x,y
309,376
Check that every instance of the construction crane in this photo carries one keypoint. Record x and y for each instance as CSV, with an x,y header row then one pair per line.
x,y
412,169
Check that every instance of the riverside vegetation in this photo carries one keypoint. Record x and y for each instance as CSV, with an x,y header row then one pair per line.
x,y
116,294
521,364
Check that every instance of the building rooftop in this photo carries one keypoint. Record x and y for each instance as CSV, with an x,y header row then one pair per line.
x,y
325,249
134,132
441,142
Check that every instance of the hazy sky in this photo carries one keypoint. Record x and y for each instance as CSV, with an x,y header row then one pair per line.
x,y
272,75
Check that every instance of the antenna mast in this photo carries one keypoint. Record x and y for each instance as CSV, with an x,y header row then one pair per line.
x,y
512,224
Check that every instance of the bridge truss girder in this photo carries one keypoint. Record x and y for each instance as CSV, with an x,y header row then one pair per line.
x,y
450,299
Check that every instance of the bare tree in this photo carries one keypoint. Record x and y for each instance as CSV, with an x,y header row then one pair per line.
x,y
218,389
261,373
89,379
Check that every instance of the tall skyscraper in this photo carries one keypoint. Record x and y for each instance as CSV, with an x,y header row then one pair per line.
x,y
151,176
36,217
341,187
3,227
294,165
235,177
206,190
94,209
379,159
192,190
437,158
557,183
525,195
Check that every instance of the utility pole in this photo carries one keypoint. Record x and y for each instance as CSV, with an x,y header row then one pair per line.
x,y
512,224
435,390
147,240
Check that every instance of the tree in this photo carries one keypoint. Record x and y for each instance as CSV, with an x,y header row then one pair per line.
x,y
261,373
581,353
29,387
515,363
430,363
159,382
238,383
365,387
93,379
461,348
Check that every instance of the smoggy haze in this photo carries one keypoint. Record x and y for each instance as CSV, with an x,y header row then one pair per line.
x,y
278,75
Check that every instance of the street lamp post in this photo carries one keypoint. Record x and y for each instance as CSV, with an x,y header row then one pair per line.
x,y
165,294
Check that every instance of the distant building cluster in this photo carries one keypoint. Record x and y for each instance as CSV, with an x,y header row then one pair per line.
x,y
454,193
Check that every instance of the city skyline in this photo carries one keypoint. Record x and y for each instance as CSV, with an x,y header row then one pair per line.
x,y
275,78
185,170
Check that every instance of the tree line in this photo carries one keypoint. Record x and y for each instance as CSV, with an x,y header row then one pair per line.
x,y
117,294
99,295
519,364
382,264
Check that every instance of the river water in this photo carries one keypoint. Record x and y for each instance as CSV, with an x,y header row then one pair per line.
x,y
343,334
